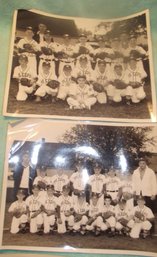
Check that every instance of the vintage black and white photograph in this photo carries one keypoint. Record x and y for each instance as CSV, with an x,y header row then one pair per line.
x,y
79,68
76,187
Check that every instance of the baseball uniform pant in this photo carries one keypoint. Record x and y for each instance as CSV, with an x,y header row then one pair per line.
x,y
23,92
137,227
16,222
48,222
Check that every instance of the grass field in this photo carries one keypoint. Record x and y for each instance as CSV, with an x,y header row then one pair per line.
x,y
77,241
46,107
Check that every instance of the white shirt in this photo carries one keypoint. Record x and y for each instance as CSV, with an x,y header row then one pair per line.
x,y
146,211
147,185
25,178
97,182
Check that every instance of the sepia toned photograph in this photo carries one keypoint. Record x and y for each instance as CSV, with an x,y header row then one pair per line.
x,y
78,68
76,187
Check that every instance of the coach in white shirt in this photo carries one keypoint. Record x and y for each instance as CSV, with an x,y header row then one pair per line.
x,y
145,183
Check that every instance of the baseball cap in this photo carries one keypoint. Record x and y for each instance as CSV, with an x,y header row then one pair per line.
x,y
81,76
101,62
83,57
23,57
20,192
35,187
46,64
48,32
132,35
66,188
140,198
66,36
42,168
67,67
50,187
82,35
29,28
107,197
142,159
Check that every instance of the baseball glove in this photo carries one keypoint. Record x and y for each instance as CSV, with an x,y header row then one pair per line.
x,y
78,217
123,221
119,84
42,185
53,84
46,50
83,50
97,87
28,48
136,54
90,221
139,215
17,214
107,215
25,82
135,84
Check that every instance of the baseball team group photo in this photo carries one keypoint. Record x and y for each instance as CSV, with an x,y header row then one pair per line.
x,y
80,68
81,186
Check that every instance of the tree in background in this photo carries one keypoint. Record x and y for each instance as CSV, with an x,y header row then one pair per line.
x,y
118,146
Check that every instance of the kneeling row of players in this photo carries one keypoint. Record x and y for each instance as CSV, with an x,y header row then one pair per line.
x,y
48,213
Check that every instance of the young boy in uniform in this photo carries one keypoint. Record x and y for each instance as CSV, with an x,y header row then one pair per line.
x,y
46,82
26,78
49,207
34,209
82,95
97,182
108,216
95,221
143,218
65,211
80,213
124,217
19,214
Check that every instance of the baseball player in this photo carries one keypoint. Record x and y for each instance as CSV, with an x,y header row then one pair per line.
x,y
134,77
117,83
95,221
113,185
81,208
49,207
41,180
59,180
82,95
101,75
65,53
128,190
30,47
97,182
108,216
48,49
26,78
143,216
83,67
34,204
102,52
18,210
66,81
77,183
124,217
44,78
65,211
83,47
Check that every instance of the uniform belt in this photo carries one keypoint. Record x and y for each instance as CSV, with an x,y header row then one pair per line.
x,y
112,191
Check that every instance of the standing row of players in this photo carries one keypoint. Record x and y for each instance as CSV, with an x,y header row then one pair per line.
x,y
110,73
57,203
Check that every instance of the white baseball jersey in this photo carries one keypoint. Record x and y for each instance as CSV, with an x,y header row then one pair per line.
x,y
65,203
112,184
99,77
97,182
19,206
50,203
38,179
134,75
32,42
127,186
100,50
86,45
79,70
82,93
33,203
125,213
24,73
67,49
59,182
44,78
95,209
110,208
81,207
52,45
146,211
77,180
